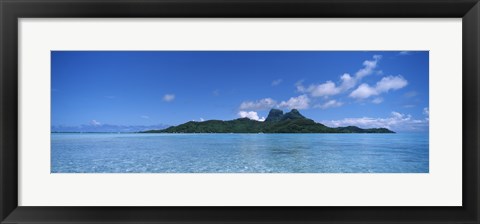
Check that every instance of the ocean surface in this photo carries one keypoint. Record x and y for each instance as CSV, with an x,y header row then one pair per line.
x,y
239,153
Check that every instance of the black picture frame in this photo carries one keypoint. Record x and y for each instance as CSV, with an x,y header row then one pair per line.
x,y
12,10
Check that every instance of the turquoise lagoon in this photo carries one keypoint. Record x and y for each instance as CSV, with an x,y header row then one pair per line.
x,y
239,153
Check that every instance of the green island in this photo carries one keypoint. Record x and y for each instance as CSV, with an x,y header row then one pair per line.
x,y
276,122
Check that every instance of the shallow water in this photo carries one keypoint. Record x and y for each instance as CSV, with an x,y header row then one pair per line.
x,y
239,153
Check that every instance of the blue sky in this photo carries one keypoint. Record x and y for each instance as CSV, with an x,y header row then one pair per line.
x,y
337,88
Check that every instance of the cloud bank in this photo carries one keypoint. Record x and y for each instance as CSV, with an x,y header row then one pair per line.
x,y
299,102
396,122
252,115
384,85
329,88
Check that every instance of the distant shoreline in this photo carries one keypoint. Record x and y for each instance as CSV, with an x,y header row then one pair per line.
x,y
210,133
92,132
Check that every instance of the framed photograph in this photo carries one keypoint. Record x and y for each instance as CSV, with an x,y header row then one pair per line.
x,y
239,111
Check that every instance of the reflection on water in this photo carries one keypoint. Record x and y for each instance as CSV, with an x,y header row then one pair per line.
x,y
240,153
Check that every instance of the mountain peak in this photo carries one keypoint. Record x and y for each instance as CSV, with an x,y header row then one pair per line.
x,y
274,115
293,114
277,115
294,111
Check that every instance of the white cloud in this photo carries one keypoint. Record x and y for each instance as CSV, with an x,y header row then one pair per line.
x,y
326,89
384,85
363,91
426,112
145,117
201,119
95,123
300,87
263,104
377,100
276,82
216,92
403,53
168,97
300,102
397,115
391,83
368,67
250,115
347,82
396,122
330,104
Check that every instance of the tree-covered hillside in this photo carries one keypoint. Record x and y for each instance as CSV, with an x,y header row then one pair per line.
x,y
276,122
